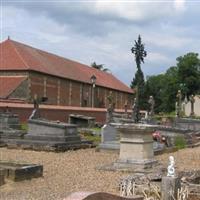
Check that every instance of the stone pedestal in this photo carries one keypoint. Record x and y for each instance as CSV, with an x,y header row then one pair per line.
x,y
169,187
136,147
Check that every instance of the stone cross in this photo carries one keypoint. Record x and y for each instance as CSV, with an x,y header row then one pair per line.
x,y
192,100
152,103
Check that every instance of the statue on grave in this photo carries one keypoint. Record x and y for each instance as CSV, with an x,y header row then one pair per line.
x,y
178,103
192,100
126,110
36,101
110,109
152,103
134,110
35,113
170,168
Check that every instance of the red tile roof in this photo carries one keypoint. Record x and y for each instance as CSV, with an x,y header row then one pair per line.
x,y
9,84
18,56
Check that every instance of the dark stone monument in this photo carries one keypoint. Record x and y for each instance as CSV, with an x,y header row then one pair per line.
x,y
82,120
50,136
19,172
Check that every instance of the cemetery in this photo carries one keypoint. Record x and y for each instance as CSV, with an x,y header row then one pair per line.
x,y
146,147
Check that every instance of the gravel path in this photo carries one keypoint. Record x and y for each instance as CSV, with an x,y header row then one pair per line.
x,y
75,171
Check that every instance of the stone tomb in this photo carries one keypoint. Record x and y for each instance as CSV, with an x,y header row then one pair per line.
x,y
49,135
9,120
19,172
136,147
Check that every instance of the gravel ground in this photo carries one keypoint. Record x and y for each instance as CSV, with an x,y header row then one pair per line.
x,y
75,171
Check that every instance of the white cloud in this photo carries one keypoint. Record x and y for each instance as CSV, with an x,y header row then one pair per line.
x,y
180,5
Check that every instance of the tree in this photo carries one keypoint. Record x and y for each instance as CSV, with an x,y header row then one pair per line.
x,y
138,81
189,72
99,67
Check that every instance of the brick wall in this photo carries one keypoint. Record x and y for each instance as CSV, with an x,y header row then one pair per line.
x,y
68,92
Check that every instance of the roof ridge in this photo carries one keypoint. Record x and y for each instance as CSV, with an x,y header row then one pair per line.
x,y
54,54
17,52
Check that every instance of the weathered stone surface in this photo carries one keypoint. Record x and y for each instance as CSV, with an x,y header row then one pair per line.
x,y
49,136
2,176
169,187
136,147
9,120
98,196
82,120
19,172
187,123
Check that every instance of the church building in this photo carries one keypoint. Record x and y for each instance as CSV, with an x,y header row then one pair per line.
x,y
26,72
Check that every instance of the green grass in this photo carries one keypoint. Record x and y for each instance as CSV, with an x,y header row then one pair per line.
x,y
180,142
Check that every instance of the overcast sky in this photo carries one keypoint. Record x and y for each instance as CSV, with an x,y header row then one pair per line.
x,y
104,31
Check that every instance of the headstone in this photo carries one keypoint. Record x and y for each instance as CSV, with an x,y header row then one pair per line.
x,y
9,120
19,171
109,138
82,120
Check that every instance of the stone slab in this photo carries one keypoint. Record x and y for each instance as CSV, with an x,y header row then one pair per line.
x,y
45,127
20,172
82,120
99,196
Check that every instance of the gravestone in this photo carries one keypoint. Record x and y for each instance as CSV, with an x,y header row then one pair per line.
x,y
19,171
82,120
9,120
109,138
50,136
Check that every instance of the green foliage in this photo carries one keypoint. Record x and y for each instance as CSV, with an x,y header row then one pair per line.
x,y
24,126
88,136
185,76
180,142
189,72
